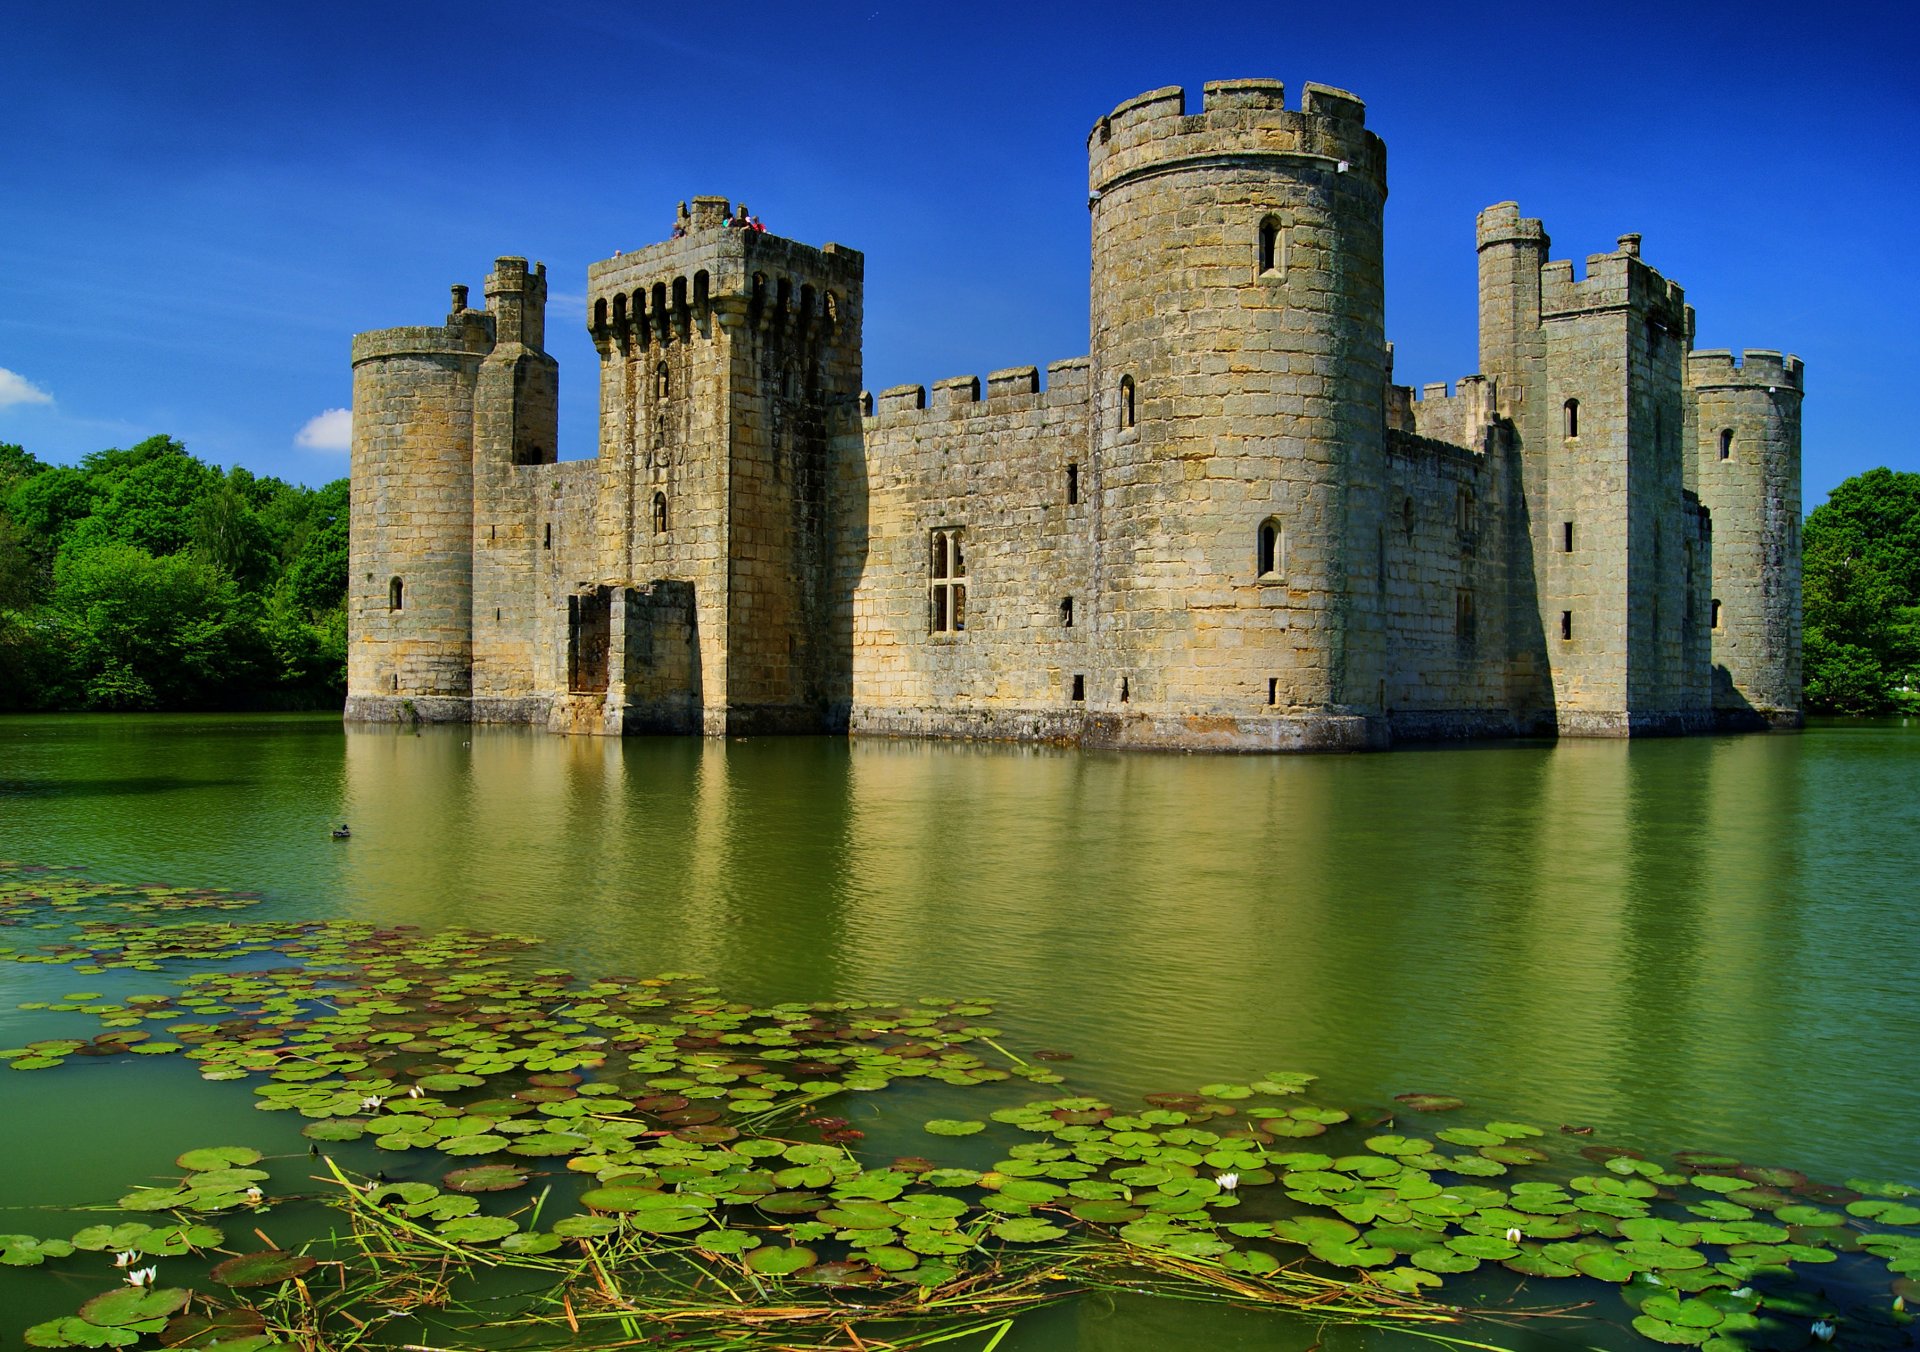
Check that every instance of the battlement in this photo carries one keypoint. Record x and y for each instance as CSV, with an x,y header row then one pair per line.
x,y
1757,368
1458,419
1502,223
1237,119
1614,281
676,286
1015,388
466,333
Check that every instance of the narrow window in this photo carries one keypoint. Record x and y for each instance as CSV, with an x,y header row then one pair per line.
x,y
1066,612
1126,403
1406,516
1573,417
660,381
395,594
1463,627
1079,687
659,513
947,582
1073,483
548,542
1267,559
1123,689
1726,443
1566,537
1270,249
492,534
1463,510
1273,690
1716,612
1566,624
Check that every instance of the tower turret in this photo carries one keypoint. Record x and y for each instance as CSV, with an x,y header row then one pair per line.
x,y
1238,376
410,589
1745,425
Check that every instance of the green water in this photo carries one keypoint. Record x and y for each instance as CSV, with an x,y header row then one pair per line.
x,y
1704,943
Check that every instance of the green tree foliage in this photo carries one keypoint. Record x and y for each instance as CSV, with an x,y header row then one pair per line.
x,y
147,579
1862,595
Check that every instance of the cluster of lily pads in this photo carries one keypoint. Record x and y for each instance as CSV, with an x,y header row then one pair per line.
x,y
649,1147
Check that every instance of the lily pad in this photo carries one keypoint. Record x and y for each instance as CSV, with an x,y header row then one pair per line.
x,y
269,1267
781,1261
486,1178
951,1127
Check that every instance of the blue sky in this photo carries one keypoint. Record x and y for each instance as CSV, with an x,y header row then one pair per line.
x,y
202,203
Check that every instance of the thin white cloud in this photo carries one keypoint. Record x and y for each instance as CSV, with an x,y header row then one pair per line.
x,y
17,389
330,431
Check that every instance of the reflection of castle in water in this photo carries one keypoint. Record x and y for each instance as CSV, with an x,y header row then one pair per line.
x,y
1578,924
1226,527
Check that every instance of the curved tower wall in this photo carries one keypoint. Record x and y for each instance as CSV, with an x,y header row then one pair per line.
x,y
1753,491
1237,290
412,475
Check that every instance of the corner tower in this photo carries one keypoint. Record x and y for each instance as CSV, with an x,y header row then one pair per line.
x,y
1744,417
1238,377
410,589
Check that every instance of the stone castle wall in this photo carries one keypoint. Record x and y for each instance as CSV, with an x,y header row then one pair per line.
x,y
1225,528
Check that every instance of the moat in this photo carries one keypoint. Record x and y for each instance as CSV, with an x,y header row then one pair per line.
x,y
1691,943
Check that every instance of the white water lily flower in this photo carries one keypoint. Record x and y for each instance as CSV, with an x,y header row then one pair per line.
x,y
416,1092
371,1103
142,1276
1824,1330
1226,1182
255,1196
124,1258
1513,1234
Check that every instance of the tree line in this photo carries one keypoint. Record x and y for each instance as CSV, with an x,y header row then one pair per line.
x,y
145,578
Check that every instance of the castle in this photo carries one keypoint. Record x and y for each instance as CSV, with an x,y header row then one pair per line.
x,y
1224,528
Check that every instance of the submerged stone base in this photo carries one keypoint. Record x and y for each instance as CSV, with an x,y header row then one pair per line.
x,y
1130,731
593,714
1633,723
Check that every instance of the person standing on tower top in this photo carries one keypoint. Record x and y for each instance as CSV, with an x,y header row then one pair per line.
x,y
755,225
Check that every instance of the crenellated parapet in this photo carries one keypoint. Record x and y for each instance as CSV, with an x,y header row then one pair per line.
x,y
1718,368
1615,281
673,290
1014,390
1239,122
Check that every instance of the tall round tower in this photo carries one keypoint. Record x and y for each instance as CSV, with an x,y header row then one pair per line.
x,y
1746,430
410,589
1239,379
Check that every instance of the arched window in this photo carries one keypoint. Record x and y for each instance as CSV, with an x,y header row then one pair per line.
x,y
1716,612
1270,246
1127,418
1073,483
660,381
1269,556
396,594
600,314
659,513
1572,410
1463,510
1726,443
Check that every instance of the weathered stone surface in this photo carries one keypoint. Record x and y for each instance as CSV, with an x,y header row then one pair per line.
x,y
1223,529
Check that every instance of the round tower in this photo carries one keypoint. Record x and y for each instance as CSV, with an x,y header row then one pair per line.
x,y
1239,378
1746,430
410,588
